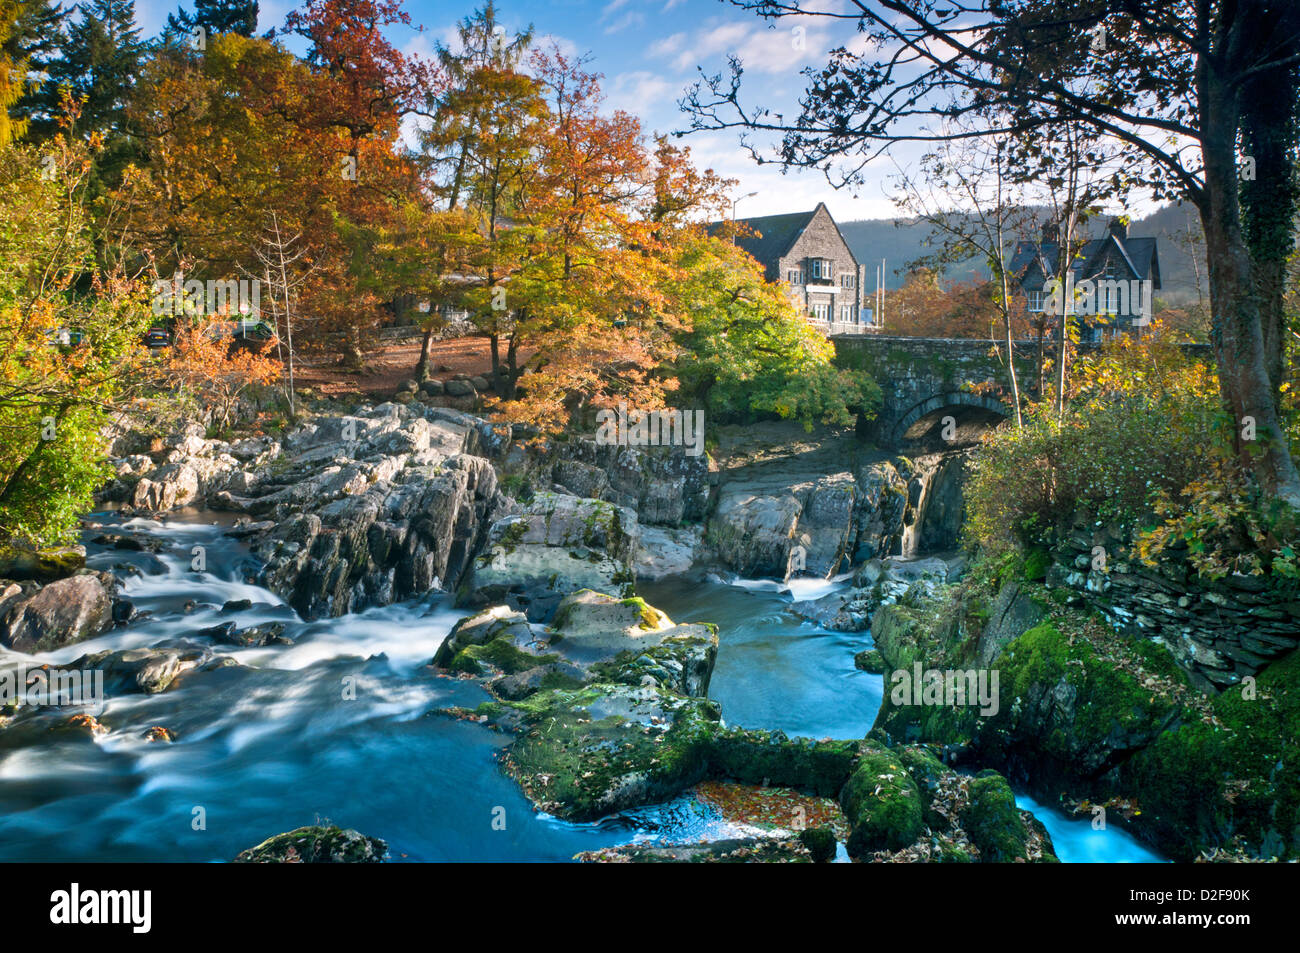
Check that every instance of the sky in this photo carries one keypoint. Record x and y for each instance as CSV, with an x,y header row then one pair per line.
x,y
649,52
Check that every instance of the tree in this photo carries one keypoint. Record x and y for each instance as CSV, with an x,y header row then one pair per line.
x,y
748,350
206,372
68,357
215,16
983,213
11,69
1178,85
98,64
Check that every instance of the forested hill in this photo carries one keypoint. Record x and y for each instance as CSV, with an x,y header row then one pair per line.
x,y
899,245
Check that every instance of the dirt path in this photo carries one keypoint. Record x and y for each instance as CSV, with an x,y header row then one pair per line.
x,y
386,368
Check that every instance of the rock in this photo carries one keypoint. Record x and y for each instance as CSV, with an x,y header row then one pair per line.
x,y
625,640
60,613
664,551
882,804
81,725
663,485
499,638
554,545
237,605
460,388
146,670
746,850
1014,612
173,485
870,660
820,843
40,565
316,845
480,384
993,821
432,388
751,531
158,733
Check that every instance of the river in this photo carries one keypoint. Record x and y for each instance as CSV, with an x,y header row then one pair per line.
x,y
275,743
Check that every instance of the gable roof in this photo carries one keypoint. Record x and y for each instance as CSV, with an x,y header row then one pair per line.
x,y
775,234
1138,253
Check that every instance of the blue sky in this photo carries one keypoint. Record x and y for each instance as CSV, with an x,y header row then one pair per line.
x,y
648,52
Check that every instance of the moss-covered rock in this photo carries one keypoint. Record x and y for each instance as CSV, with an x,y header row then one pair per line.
x,y
316,845
1068,715
1231,778
882,804
993,822
769,757
820,843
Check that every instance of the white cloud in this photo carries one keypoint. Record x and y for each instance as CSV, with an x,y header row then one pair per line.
x,y
783,48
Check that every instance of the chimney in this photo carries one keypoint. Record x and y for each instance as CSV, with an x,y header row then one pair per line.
x,y
1118,228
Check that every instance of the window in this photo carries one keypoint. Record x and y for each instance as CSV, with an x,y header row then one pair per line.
x,y
795,277
822,312
846,313
822,269
848,280
1035,301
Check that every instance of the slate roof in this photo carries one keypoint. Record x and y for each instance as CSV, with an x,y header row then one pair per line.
x,y
774,234
1139,252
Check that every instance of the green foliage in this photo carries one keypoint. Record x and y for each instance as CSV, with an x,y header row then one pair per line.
x,y
749,352
1143,426
65,357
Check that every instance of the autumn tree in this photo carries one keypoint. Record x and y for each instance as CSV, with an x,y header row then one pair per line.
x,y
68,357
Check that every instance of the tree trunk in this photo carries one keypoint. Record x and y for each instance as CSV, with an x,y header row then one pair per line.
x,y
1236,331
423,371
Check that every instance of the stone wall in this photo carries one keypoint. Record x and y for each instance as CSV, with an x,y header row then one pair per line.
x,y
1218,631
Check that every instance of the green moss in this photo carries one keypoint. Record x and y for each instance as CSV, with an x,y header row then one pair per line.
x,y
1202,784
769,757
820,842
1035,565
502,654
882,804
993,822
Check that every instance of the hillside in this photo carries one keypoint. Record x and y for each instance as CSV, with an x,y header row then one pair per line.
x,y
900,243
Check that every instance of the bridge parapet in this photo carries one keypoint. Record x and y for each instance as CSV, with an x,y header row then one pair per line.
x,y
923,380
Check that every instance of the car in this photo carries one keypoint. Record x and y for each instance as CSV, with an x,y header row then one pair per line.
x,y
157,337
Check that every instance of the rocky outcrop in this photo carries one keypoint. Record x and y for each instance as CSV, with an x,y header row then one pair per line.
x,y
664,486
316,845
36,618
551,546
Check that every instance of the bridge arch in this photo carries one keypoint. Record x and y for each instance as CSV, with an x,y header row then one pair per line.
x,y
972,414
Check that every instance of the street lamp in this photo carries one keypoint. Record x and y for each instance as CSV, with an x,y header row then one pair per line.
x,y
748,195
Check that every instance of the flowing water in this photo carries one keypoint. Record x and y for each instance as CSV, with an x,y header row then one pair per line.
x,y
276,743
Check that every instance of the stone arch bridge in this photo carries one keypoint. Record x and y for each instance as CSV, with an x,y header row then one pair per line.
x,y
925,380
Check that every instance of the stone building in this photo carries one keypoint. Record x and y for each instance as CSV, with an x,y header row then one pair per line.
x,y
806,252
1113,280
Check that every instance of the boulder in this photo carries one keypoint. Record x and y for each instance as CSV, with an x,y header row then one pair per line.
x,y
73,609
316,845
554,545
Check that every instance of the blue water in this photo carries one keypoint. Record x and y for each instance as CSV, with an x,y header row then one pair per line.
x,y
273,744
1077,843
